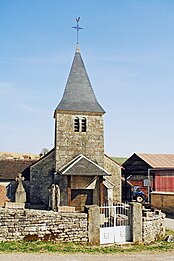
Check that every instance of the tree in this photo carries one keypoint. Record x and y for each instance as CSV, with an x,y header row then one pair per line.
x,y
43,152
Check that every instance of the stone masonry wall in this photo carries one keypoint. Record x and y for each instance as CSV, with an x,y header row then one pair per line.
x,y
153,227
41,178
70,144
147,224
16,224
115,170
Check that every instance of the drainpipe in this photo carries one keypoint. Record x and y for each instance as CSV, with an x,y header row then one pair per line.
x,y
149,184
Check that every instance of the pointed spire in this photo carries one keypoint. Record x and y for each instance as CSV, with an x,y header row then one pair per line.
x,y
79,95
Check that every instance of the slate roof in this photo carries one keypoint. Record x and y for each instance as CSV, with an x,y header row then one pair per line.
x,y
158,160
79,95
9,169
82,166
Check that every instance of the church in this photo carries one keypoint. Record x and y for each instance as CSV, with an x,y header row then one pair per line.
x,y
76,168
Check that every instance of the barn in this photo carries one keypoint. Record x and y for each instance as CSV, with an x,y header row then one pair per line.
x,y
149,172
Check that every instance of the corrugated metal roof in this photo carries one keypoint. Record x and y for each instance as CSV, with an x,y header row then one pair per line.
x,y
158,160
79,95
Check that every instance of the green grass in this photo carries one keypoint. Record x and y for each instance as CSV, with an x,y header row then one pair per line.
x,y
119,160
52,247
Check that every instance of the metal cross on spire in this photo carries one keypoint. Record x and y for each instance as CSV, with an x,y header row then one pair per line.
x,y
77,28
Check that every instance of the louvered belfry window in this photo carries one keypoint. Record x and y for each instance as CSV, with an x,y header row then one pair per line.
x,y
80,124
76,124
83,124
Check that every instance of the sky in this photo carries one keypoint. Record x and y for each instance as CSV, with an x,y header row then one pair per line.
x,y
128,50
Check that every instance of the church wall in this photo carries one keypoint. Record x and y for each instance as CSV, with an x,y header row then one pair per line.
x,y
61,181
41,178
82,182
69,144
115,170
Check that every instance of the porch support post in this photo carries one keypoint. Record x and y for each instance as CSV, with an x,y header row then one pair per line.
x,y
125,191
101,191
69,190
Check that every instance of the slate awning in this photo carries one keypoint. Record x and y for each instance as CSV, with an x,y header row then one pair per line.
x,y
82,166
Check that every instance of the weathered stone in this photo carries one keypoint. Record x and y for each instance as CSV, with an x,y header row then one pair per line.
x,y
15,205
20,194
42,225
153,226
72,143
41,179
115,169
170,238
93,224
136,222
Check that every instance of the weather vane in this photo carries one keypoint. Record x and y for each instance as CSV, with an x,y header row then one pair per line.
x,y
77,28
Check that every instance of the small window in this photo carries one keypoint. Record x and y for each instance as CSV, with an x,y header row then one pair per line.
x,y
76,124
83,124
146,183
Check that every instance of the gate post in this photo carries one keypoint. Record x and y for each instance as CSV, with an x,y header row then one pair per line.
x,y
93,224
136,222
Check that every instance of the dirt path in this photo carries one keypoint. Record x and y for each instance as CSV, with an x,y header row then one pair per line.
x,y
169,222
169,256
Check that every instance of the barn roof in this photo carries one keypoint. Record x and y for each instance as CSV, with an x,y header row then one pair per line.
x,y
79,95
9,169
83,166
158,160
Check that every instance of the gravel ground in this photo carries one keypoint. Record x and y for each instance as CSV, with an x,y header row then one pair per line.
x,y
169,222
169,256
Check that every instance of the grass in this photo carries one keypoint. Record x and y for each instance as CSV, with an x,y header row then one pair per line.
x,y
119,160
68,248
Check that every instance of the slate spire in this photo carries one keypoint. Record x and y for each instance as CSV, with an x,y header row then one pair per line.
x,y
79,95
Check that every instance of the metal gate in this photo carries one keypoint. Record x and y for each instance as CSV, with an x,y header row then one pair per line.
x,y
115,224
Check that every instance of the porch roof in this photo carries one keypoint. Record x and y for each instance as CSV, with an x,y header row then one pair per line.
x,y
82,166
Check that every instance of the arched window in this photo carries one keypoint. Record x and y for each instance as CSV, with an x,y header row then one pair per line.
x,y
83,124
76,124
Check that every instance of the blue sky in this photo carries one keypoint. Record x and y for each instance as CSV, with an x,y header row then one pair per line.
x,y
128,50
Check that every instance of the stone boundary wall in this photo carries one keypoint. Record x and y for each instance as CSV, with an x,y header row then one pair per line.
x,y
147,224
19,224
153,227
163,201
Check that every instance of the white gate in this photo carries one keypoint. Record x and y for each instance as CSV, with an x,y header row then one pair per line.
x,y
115,224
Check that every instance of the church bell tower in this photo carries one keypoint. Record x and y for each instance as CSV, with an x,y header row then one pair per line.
x,y
79,119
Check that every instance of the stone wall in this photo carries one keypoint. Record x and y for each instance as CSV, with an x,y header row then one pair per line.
x,y
163,201
41,178
3,197
115,169
70,144
147,224
16,224
153,227
27,224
